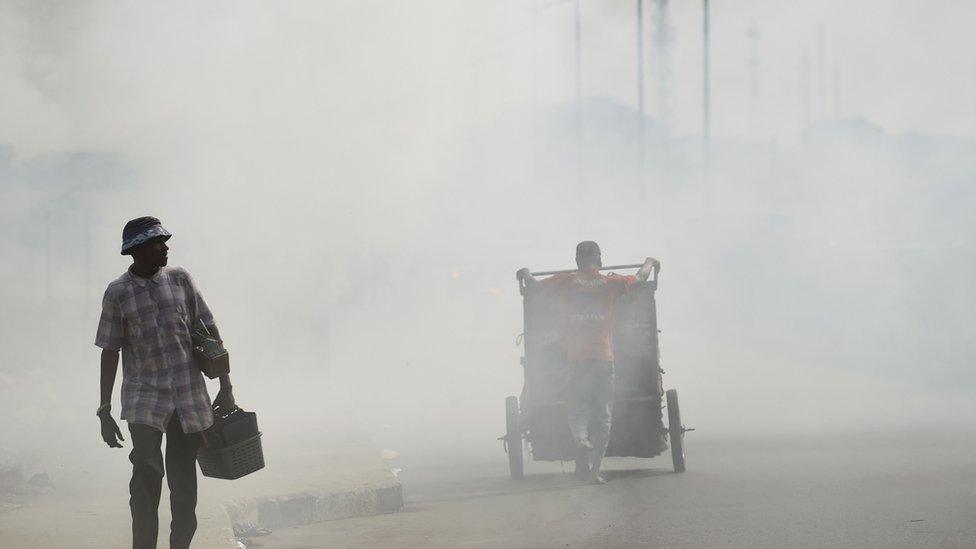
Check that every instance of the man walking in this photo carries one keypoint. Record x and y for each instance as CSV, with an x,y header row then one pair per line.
x,y
590,298
147,314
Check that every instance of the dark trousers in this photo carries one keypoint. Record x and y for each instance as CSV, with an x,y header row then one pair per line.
x,y
147,483
589,398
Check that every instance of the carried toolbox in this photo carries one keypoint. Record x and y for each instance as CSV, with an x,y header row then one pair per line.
x,y
209,353
231,448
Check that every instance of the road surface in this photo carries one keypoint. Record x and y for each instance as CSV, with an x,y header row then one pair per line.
x,y
878,490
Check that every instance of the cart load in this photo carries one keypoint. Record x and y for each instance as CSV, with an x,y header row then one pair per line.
x,y
539,415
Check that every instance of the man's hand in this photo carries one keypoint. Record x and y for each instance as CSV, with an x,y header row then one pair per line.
x,y
524,276
650,264
110,430
225,398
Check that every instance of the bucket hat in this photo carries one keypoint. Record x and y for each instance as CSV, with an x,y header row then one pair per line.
x,y
142,230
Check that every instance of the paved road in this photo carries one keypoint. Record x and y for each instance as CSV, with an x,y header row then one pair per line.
x,y
915,490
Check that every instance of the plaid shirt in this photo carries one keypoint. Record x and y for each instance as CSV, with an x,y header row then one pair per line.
x,y
149,319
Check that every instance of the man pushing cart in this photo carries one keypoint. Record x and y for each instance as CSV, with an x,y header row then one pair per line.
x,y
583,331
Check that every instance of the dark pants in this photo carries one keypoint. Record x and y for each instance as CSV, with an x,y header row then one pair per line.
x,y
589,396
147,483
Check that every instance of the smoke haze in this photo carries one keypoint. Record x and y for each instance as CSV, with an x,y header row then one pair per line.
x,y
354,183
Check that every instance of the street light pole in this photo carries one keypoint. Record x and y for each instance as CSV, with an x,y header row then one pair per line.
x,y
706,85
640,84
640,58
579,97
576,32
753,35
661,71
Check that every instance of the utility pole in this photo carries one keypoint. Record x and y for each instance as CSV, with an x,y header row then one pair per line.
x,y
661,64
579,68
48,263
821,90
706,86
579,96
535,50
835,82
753,35
806,99
640,59
640,84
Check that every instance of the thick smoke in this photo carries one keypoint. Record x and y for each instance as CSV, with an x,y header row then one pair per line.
x,y
354,184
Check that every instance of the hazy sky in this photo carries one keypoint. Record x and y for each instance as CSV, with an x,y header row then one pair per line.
x,y
302,151
135,75
905,65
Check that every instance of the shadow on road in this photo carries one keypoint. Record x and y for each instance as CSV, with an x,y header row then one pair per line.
x,y
418,495
635,473
486,487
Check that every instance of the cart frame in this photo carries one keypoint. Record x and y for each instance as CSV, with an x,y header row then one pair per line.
x,y
538,416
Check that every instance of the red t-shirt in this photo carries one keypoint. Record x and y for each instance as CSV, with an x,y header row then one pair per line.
x,y
589,297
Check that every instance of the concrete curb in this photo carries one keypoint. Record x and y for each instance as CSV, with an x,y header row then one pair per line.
x,y
213,528
308,507
340,481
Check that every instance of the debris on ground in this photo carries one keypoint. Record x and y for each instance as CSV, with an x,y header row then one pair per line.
x,y
245,530
15,489
40,480
11,481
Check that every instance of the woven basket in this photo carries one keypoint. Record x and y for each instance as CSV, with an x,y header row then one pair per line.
x,y
232,462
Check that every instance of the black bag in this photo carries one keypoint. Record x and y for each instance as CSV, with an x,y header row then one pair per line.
x,y
209,353
231,448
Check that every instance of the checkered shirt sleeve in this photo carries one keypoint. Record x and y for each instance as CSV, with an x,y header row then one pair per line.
x,y
200,307
110,332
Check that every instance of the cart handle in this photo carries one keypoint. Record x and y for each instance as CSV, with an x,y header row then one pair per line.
x,y
610,268
653,280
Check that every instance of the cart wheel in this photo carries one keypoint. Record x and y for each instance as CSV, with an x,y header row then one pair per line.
x,y
513,437
676,432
